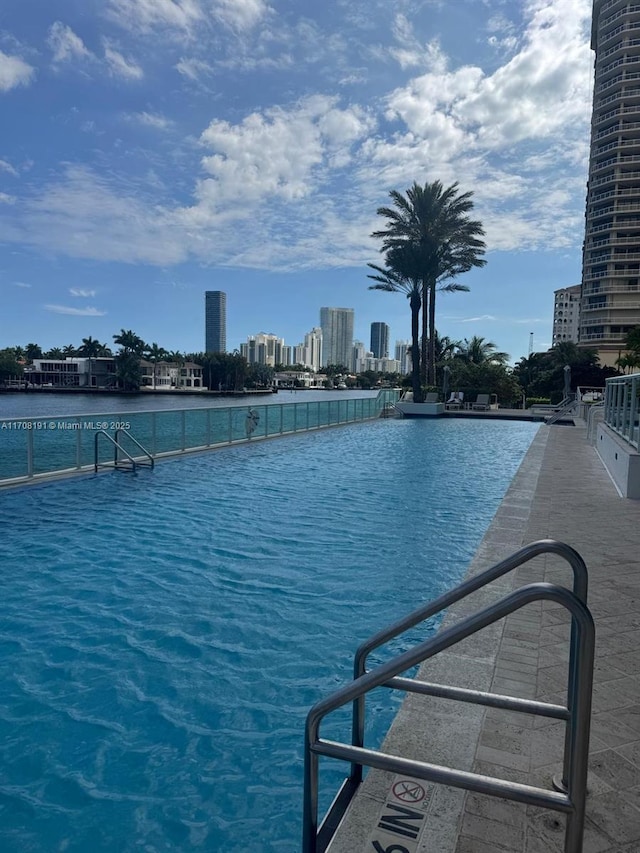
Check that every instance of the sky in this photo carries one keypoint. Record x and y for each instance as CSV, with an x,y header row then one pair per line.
x,y
151,150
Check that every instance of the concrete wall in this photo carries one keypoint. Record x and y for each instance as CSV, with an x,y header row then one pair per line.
x,y
621,461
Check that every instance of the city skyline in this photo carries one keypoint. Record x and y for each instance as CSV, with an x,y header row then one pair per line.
x,y
154,151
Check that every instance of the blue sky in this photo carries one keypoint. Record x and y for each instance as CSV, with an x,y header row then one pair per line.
x,y
154,149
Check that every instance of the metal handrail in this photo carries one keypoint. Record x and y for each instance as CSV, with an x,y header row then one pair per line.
x,y
577,715
151,462
534,549
118,448
560,413
594,417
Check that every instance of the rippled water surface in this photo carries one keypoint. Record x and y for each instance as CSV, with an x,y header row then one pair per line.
x,y
164,633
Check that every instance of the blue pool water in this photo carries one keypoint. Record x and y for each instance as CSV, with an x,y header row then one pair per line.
x,y
164,634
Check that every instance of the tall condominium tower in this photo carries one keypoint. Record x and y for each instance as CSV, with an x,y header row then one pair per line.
x,y
380,340
337,335
610,298
215,314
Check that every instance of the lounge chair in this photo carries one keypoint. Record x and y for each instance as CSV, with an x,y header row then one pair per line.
x,y
432,397
481,404
455,400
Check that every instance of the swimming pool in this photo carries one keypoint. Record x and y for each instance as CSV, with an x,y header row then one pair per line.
x,y
165,633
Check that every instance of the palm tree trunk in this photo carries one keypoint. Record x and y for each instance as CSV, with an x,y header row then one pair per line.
x,y
425,334
415,348
432,334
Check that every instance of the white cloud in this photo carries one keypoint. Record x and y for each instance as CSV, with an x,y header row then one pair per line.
x,y
75,312
278,152
65,44
86,294
194,69
21,284
183,16
14,72
477,319
7,199
118,66
7,167
146,15
240,14
84,216
154,120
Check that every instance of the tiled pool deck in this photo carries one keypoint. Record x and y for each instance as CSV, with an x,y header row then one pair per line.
x,y
561,491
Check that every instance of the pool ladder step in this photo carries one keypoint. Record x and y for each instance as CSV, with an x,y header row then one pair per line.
x,y
122,459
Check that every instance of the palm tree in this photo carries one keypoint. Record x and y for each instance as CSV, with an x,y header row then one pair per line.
x,y
32,351
130,342
69,351
56,353
628,361
480,351
435,221
154,354
128,359
90,349
393,281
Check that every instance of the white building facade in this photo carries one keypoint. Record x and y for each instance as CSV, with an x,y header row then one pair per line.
x,y
566,314
265,349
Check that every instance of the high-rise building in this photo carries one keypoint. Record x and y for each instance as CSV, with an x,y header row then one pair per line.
x,y
215,322
337,335
403,355
359,357
566,314
312,353
380,340
265,349
610,298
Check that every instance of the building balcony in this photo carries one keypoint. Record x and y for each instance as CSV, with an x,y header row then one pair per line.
x,y
621,62
618,192
628,27
626,44
619,79
615,96
611,316
604,23
609,5
620,113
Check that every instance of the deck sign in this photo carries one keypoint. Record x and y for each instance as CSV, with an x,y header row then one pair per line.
x,y
402,817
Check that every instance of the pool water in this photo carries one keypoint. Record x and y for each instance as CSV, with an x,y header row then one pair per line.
x,y
165,633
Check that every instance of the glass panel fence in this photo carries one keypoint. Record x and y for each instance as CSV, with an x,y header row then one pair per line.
x,y
29,447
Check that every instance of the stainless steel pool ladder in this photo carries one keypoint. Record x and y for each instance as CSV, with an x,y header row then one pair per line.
x,y
569,796
128,463
563,410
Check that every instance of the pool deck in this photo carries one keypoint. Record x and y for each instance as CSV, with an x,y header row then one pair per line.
x,y
561,491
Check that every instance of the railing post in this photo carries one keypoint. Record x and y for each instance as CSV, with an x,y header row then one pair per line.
x,y
281,418
79,444
153,433
307,405
230,425
183,425
310,796
30,451
208,427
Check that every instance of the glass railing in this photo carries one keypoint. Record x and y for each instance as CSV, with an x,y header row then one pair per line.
x,y
622,407
31,447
